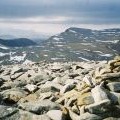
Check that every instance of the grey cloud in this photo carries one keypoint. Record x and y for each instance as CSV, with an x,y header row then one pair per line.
x,y
80,11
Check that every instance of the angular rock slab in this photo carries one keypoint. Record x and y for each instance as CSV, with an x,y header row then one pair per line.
x,y
24,115
50,87
67,88
31,87
85,116
39,107
6,111
98,108
12,95
114,86
114,97
56,115
88,116
99,93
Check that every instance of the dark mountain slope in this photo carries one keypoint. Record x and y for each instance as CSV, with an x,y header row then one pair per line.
x,y
20,42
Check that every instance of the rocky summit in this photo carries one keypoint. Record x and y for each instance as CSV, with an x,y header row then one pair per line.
x,y
60,91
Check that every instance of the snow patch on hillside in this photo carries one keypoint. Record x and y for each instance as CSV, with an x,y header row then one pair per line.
x,y
84,59
3,47
3,54
18,58
106,55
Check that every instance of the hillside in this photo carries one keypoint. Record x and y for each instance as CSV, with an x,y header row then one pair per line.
x,y
74,44
60,91
86,44
20,42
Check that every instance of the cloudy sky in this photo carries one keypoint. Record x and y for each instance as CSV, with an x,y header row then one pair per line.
x,y
53,16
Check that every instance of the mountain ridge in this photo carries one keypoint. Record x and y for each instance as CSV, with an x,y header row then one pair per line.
x,y
74,44
18,42
92,44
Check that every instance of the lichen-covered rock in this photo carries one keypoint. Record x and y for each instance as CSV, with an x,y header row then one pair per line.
x,y
67,95
13,95
29,98
85,99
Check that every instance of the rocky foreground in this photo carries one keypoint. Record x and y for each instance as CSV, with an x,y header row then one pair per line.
x,y
61,91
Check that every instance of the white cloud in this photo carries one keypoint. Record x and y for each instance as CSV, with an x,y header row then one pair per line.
x,y
39,19
51,29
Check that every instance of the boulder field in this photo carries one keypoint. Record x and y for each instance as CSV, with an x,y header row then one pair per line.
x,y
60,91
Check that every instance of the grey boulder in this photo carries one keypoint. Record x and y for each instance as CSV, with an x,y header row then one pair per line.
x,y
39,107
